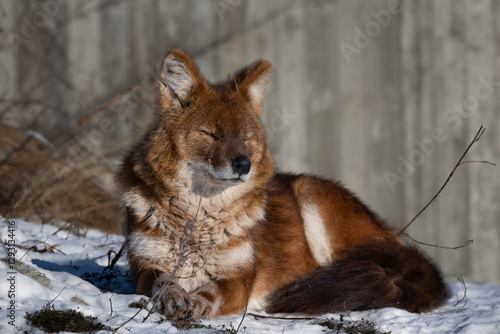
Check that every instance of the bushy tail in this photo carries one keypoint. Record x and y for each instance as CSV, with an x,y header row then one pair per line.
x,y
377,274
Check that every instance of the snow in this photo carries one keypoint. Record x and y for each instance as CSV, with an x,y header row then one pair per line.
x,y
72,258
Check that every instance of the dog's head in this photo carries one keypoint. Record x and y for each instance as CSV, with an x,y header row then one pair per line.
x,y
215,129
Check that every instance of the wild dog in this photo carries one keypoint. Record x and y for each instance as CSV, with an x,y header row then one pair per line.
x,y
209,223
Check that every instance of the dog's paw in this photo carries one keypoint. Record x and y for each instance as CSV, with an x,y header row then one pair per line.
x,y
172,301
201,308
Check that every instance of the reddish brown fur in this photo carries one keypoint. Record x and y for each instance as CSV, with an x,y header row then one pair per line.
x,y
205,163
375,274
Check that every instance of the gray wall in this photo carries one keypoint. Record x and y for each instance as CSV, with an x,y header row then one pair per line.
x,y
381,96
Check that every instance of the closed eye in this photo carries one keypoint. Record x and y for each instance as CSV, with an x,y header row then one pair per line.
x,y
208,133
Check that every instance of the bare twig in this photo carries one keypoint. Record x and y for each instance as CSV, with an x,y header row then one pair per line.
x,y
476,138
464,287
33,102
57,296
184,252
91,114
259,316
478,162
139,311
82,12
465,244
129,320
79,14
63,227
111,305
110,244
48,248
272,15
246,303
118,255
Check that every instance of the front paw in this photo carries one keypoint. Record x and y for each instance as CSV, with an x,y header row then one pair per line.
x,y
171,300
201,308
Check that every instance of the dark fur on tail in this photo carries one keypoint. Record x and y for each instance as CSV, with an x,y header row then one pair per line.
x,y
377,274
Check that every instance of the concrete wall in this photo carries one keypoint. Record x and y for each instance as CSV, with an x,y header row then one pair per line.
x,y
383,95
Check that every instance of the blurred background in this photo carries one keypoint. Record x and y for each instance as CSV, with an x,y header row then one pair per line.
x,y
384,95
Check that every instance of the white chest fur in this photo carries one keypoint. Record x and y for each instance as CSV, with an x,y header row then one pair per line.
x,y
196,241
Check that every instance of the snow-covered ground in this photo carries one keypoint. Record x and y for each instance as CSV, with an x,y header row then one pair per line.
x,y
59,271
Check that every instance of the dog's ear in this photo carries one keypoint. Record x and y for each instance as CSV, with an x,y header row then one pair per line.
x,y
179,76
252,80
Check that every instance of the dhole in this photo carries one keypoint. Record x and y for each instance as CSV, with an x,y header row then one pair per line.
x,y
210,224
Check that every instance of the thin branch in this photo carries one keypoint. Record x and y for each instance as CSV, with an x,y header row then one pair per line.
x,y
118,255
245,29
79,15
464,287
32,102
259,316
110,244
478,162
465,244
91,114
48,248
33,247
184,252
50,303
140,309
476,138
111,305
67,226
129,320
246,303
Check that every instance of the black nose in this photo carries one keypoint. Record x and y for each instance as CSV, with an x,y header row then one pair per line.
x,y
241,165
